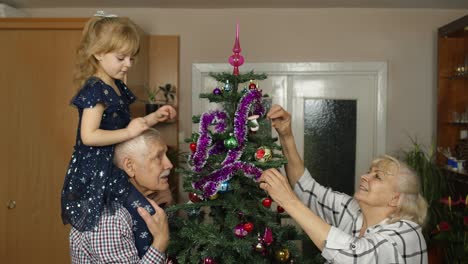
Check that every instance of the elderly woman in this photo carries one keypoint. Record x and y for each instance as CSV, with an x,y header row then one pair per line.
x,y
380,224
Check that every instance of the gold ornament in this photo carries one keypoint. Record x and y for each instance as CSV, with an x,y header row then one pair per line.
x,y
282,255
214,196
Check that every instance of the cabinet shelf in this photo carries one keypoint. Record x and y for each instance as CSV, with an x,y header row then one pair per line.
x,y
452,96
458,123
457,77
459,176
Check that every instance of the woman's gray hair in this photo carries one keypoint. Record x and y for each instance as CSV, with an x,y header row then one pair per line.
x,y
135,148
412,205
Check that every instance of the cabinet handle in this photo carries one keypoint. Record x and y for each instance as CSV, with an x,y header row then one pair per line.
x,y
11,204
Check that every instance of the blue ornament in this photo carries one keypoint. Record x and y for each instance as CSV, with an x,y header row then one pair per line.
x,y
224,187
217,91
227,86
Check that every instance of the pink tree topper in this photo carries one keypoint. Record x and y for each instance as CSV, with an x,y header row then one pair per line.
x,y
236,59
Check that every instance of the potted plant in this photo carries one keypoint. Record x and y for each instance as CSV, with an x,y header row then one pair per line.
x,y
154,101
433,187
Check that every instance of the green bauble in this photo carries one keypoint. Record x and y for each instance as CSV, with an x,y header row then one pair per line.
x,y
230,142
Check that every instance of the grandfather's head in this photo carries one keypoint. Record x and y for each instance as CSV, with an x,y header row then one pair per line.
x,y
144,160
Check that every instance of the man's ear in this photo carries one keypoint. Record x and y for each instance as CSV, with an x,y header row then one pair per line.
x,y
395,201
129,167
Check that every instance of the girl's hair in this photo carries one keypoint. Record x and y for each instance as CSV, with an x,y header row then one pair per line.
x,y
135,148
104,35
411,205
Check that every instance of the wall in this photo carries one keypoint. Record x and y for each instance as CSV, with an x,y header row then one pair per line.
x,y
406,38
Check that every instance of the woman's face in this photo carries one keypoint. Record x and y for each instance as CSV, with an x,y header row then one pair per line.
x,y
378,187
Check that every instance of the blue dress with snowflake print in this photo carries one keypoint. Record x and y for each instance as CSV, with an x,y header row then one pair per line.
x,y
89,184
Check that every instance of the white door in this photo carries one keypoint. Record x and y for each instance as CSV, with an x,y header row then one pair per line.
x,y
357,92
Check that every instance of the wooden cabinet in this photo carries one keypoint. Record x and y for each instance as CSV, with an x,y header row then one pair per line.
x,y
39,128
452,97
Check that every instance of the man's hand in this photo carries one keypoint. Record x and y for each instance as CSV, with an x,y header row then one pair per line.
x,y
157,225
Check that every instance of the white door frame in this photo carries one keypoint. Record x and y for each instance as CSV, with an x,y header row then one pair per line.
x,y
377,69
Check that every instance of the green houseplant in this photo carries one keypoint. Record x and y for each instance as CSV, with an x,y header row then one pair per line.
x,y
154,101
446,227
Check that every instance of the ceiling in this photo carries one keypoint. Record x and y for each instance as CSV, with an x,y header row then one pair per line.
x,y
439,4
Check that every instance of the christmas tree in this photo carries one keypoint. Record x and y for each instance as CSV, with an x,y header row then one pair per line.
x,y
229,219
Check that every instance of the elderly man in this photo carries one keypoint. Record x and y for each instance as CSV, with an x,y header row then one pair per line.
x,y
132,229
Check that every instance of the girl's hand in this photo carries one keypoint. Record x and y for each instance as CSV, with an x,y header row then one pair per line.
x,y
157,225
277,187
164,113
136,127
280,120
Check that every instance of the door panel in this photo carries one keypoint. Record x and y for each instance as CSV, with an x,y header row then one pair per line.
x,y
39,127
358,90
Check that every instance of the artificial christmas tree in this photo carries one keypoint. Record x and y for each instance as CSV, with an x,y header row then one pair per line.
x,y
229,219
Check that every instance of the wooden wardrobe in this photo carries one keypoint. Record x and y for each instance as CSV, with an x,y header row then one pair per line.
x,y
38,129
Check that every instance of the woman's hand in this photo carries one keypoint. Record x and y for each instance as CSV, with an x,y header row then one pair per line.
x,y
157,225
280,120
277,187
164,113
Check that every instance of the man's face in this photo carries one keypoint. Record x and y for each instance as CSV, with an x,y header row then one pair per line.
x,y
152,170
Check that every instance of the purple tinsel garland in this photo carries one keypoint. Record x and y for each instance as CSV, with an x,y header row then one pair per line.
x,y
252,98
211,183
200,156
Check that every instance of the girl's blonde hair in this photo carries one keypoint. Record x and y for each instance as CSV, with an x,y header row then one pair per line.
x,y
412,205
104,35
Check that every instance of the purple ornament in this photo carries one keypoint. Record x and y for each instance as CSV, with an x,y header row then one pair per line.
x,y
239,231
268,236
217,91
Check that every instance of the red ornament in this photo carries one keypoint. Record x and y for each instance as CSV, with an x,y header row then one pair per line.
x,y
252,86
280,209
267,202
248,227
193,146
259,153
195,198
209,260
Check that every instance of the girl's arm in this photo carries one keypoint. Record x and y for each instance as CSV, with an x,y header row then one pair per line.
x,y
164,113
92,135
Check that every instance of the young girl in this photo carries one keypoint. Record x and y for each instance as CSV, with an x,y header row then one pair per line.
x,y
106,52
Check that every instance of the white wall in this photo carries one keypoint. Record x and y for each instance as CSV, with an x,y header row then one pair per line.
x,y
406,38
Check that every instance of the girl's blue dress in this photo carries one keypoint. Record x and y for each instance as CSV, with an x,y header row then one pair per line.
x,y
89,184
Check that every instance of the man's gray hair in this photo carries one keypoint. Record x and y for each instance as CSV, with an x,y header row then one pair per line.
x,y
135,148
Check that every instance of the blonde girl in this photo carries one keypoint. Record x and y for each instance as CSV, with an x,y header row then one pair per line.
x,y
106,52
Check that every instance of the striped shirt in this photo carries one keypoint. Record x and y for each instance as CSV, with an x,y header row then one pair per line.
x,y
113,242
399,242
